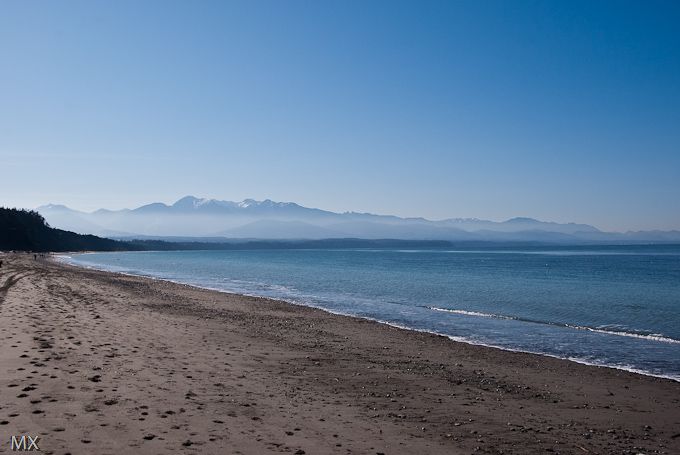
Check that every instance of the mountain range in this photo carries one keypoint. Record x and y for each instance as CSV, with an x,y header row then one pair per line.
x,y
251,219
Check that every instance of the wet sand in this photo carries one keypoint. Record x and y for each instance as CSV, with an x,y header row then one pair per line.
x,y
99,363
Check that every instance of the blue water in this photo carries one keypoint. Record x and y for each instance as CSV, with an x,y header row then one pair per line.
x,y
612,306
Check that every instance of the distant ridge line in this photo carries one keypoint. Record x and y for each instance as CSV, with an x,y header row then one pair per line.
x,y
191,216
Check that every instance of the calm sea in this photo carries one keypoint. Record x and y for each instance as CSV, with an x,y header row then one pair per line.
x,y
613,306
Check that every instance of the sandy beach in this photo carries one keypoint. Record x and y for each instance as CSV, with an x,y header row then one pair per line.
x,y
100,363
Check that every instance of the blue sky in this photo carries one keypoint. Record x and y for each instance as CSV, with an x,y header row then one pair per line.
x,y
564,111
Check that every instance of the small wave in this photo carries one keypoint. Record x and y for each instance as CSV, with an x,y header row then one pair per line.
x,y
608,331
469,313
651,336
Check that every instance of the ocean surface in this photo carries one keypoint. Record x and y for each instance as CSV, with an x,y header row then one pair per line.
x,y
616,306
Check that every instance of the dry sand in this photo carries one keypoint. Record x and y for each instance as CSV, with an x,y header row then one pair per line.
x,y
98,363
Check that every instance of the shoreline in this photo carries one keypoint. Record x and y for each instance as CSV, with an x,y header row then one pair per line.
x,y
118,364
63,258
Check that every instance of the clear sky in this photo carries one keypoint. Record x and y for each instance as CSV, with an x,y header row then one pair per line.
x,y
558,110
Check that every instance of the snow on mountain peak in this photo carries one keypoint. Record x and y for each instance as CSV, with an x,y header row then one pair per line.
x,y
248,203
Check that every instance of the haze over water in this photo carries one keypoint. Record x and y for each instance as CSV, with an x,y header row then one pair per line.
x,y
605,305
